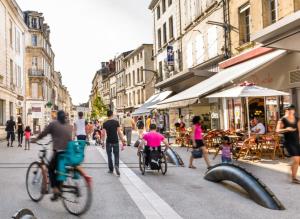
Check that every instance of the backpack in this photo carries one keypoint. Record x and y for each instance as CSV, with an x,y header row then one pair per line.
x,y
154,159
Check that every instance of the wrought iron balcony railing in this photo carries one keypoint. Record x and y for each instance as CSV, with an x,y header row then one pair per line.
x,y
36,73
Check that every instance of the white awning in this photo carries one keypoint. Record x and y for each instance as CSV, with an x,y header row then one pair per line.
x,y
248,91
220,79
153,100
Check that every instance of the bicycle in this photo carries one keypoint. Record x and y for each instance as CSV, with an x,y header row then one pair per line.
x,y
72,189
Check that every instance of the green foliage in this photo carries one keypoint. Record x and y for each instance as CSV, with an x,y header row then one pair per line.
x,y
99,109
49,104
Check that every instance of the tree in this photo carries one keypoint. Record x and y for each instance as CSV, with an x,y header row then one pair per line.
x,y
99,109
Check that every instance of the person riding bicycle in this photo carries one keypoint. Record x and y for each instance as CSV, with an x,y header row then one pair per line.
x,y
61,133
152,140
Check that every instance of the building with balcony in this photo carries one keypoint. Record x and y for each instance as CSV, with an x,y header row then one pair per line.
x,y
13,31
272,64
191,38
113,91
120,87
39,67
139,76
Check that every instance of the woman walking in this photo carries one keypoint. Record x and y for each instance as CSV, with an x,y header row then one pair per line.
x,y
27,137
289,126
141,126
20,131
198,142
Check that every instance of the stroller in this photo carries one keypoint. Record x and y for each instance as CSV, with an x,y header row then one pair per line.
x,y
98,137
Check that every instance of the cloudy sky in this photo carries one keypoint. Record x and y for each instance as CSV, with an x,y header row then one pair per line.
x,y
86,32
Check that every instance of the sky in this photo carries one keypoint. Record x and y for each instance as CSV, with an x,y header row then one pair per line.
x,y
86,32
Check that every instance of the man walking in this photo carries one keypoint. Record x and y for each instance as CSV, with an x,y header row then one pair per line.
x,y
112,132
10,130
128,126
79,127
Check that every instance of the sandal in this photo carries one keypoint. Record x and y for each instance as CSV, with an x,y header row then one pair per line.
x,y
192,167
296,181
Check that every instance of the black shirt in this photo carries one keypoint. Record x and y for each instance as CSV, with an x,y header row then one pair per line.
x,y
20,127
111,127
140,124
10,126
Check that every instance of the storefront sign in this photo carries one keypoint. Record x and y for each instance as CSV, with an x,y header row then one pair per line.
x,y
214,115
36,112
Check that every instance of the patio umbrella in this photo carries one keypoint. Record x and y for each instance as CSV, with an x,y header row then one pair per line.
x,y
247,90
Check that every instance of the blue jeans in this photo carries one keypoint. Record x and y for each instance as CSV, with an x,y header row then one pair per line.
x,y
226,160
112,148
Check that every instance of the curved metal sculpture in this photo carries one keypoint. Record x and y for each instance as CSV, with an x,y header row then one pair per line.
x,y
24,214
173,157
256,189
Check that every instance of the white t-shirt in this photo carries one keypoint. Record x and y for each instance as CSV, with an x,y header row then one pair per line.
x,y
80,127
260,127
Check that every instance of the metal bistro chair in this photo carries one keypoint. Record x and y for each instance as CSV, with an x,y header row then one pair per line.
x,y
246,148
271,146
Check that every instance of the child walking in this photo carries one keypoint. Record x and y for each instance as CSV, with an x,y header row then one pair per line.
x,y
27,137
226,150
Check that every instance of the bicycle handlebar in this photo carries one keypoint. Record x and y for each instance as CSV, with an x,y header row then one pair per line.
x,y
43,144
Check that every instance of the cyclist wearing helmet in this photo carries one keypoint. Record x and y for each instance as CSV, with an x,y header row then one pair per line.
x,y
61,133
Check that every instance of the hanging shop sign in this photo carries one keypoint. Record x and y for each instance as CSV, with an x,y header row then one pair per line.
x,y
170,55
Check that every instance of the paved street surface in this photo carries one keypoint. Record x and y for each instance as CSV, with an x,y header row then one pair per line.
x,y
182,193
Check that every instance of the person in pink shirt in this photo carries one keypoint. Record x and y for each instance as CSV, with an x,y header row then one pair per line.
x,y
198,142
152,140
27,134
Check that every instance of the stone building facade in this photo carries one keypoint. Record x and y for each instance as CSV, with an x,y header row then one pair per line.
x,y
120,80
167,32
139,78
189,39
39,67
248,17
12,45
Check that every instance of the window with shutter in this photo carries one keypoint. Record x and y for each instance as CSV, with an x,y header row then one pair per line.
x,y
189,55
199,48
212,37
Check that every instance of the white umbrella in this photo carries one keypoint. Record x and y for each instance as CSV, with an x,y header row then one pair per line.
x,y
248,90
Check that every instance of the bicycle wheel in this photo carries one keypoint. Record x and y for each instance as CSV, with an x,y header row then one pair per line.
x,y
142,162
163,164
76,194
35,181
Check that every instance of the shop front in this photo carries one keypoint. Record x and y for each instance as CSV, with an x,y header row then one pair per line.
x,y
267,70
208,112
267,110
36,115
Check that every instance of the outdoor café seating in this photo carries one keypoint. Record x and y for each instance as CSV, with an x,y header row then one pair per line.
x,y
270,146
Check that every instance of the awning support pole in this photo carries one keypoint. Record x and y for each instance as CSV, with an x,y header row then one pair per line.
x,y
248,116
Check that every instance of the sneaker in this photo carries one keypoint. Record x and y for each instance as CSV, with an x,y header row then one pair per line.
x,y
117,171
55,197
